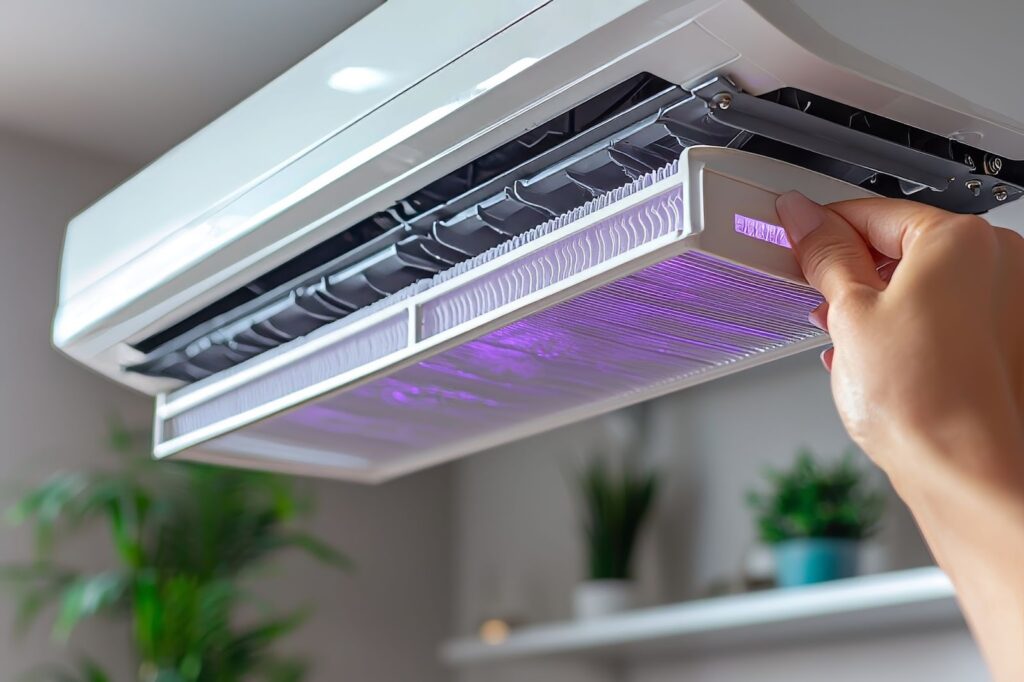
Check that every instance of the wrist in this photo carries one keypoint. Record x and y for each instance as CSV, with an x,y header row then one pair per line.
x,y
963,485
974,448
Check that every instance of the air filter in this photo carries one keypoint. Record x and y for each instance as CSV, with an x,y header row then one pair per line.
x,y
677,278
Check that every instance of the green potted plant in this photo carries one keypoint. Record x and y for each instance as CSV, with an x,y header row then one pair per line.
x,y
814,517
615,504
187,540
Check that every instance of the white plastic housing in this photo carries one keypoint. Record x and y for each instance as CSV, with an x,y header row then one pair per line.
x,y
388,107
679,278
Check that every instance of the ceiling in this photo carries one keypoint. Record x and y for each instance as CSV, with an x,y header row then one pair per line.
x,y
128,79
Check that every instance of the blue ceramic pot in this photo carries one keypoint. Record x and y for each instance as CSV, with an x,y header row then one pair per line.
x,y
803,561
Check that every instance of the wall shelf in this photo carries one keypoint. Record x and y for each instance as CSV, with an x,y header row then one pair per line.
x,y
911,599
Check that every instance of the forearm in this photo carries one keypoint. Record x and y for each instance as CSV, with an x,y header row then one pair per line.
x,y
975,528
928,375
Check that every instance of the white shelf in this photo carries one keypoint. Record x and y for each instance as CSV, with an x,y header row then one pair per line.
x,y
911,599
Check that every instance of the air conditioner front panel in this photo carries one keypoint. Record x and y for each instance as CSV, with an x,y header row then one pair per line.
x,y
539,60
678,278
510,82
685,319
341,83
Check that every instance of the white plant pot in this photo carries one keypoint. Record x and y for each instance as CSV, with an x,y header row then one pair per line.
x,y
597,598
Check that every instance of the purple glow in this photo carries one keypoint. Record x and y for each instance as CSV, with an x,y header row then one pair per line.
x,y
556,262
759,229
671,320
372,343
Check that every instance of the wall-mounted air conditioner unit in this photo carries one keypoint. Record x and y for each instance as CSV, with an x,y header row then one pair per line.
x,y
415,245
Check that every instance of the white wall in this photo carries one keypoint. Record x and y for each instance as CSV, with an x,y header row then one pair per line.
x,y
515,519
53,414
382,623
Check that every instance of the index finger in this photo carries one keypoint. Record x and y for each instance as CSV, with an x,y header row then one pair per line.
x,y
889,225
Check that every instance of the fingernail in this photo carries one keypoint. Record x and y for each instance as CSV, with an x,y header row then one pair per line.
x,y
800,216
826,358
886,271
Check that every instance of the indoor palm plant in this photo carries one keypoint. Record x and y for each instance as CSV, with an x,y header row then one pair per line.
x,y
615,504
187,539
814,517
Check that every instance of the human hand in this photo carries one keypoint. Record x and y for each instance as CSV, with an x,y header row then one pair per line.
x,y
926,313
928,348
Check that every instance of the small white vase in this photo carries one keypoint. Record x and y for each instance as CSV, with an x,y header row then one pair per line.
x,y
597,598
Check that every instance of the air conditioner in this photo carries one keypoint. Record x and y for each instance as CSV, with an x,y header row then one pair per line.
x,y
416,244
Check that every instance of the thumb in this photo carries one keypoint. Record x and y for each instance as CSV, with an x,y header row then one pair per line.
x,y
831,253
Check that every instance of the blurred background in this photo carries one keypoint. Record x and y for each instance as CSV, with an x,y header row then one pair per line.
x,y
499,538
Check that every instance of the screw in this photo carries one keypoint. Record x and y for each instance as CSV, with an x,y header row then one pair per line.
x,y
969,161
993,164
722,100
974,186
1000,192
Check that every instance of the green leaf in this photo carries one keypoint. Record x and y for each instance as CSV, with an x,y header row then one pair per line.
x,y
86,597
92,672
34,585
265,633
48,500
316,548
147,614
284,671
30,604
86,671
615,505
44,506
186,538
168,675
815,500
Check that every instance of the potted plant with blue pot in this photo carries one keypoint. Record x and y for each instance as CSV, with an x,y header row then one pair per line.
x,y
815,516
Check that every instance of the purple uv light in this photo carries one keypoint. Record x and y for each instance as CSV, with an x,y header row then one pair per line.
x,y
670,321
760,230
